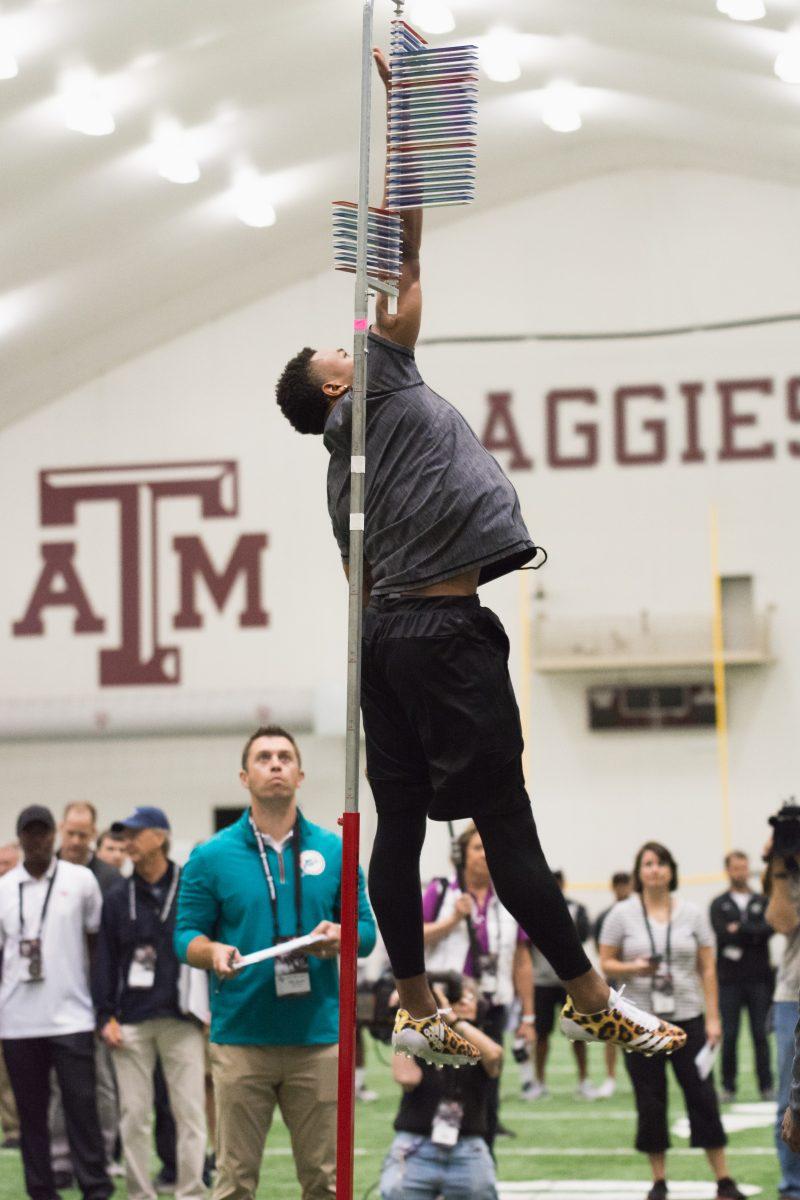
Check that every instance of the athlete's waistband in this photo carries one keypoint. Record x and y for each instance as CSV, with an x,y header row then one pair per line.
x,y
408,602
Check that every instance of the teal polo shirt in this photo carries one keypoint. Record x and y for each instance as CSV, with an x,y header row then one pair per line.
x,y
224,896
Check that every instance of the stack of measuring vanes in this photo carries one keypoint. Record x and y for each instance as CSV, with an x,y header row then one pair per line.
x,y
384,237
433,119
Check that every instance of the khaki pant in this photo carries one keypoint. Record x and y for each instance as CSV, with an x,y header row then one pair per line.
x,y
9,1119
180,1046
248,1082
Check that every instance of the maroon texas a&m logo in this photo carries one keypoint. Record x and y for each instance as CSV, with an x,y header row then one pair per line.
x,y
138,492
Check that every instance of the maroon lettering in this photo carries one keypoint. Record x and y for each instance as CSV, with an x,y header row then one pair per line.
x,y
137,491
58,586
500,432
195,563
586,429
793,405
733,420
655,426
693,452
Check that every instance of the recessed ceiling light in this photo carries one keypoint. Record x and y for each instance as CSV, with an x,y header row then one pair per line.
x,y
499,57
561,111
431,16
174,157
787,64
252,202
85,110
743,10
9,67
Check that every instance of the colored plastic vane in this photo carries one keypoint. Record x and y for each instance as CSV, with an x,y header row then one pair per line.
x,y
433,120
384,241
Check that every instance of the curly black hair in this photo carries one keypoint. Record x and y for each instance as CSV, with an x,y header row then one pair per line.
x,y
300,397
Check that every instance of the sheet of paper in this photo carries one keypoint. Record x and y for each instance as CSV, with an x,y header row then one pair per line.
x,y
299,943
704,1061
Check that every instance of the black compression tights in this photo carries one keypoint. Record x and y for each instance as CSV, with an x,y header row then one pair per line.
x,y
522,879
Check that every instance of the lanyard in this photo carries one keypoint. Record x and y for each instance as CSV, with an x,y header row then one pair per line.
x,y
271,889
44,906
484,920
668,957
165,911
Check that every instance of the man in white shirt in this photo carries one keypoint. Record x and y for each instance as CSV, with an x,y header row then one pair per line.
x,y
48,909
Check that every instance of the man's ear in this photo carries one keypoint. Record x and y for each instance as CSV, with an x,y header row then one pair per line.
x,y
335,390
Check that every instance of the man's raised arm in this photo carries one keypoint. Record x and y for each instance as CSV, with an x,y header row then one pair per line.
x,y
404,327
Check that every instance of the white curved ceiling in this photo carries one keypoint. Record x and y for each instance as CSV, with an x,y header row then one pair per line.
x,y
102,258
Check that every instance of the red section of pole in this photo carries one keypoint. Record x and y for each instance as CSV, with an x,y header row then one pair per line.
x,y
347,1007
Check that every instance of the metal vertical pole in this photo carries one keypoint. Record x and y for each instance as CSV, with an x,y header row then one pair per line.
x,y
720,690
350,819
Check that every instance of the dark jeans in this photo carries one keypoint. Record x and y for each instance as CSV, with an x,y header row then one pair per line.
x,y
29,1062
649,1079
754,995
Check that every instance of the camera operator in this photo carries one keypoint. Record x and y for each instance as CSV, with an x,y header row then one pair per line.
x,y
467,930
782,884
440,1147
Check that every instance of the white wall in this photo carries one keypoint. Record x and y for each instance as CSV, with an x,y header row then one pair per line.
x,y
636,250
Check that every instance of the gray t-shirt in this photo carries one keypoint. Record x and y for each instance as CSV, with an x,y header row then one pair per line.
x,y
626,928
437,503
787,985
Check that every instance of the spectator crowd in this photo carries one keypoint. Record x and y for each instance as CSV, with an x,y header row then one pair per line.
x,y
146,1034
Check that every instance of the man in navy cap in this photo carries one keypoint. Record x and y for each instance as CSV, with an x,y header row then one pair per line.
x,y
136,991
48,909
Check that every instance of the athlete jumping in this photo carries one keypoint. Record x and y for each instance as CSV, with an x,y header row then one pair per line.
x,y
442,727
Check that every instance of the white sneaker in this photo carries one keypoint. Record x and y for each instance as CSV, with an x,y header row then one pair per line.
x,y
534,1091
624,1024
607,1089
586,1090
366,1095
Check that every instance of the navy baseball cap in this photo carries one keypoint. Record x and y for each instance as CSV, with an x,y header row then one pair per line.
x,y
32,814
142,818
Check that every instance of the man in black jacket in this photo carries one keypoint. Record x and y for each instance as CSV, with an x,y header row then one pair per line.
x,y
139,1013
743,970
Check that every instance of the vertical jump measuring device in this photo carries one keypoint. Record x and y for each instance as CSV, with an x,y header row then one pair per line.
x,y
432,116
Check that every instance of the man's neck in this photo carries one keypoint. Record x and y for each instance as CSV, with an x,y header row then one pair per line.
x,y
37,869
276,819
740,887
478,887
151,870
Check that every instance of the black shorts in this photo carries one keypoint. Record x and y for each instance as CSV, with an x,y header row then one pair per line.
x,y
546,1000
442,727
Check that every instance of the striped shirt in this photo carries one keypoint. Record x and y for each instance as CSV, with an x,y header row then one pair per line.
x,y
626,929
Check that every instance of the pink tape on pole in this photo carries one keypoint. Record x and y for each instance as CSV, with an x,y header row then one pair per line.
x,y
360,326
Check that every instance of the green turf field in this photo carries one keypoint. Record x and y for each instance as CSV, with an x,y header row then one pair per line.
x,y
558,1138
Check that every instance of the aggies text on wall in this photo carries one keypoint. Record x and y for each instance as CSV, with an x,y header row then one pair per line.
x,y
646,424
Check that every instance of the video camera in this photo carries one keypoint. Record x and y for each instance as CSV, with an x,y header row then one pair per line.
x,y
376,1015
786,836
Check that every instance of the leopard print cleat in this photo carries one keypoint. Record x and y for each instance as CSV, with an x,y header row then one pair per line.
x,y
432,1040
622,1024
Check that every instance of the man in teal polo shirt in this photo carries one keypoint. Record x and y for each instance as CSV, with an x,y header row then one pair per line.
x,y
275,1025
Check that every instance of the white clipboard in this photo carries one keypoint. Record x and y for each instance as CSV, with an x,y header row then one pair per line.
x,y
298,943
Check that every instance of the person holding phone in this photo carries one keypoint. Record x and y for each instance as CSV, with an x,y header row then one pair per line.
x,y
662,948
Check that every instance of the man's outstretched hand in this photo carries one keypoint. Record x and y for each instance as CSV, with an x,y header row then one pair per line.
x,y
383,67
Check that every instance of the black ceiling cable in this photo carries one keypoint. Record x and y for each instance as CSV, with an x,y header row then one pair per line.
x,y
620,336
